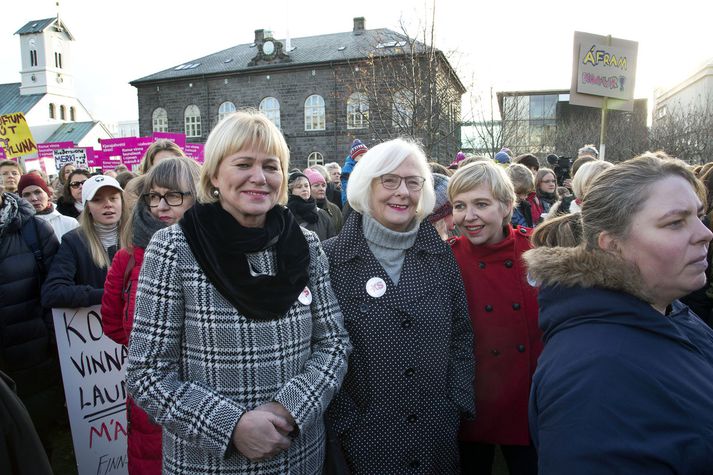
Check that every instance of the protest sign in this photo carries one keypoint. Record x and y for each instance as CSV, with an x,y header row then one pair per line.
x,y
15,136
75,156
131,156
93,372
178,139
195,151
44,150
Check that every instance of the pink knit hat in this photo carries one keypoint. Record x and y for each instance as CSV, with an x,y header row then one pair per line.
x,y
314,176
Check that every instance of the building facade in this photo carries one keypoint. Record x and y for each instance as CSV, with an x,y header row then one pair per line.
x,y
322,92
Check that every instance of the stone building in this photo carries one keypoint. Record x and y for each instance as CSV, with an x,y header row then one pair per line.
x,y
321,91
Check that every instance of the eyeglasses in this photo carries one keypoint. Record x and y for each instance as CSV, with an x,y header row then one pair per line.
x,y
392,182
76,184
173,198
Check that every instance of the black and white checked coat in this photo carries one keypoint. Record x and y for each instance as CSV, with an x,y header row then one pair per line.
x,y
411,372
196,364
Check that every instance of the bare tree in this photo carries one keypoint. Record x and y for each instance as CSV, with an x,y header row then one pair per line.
x,y
686,132
483,123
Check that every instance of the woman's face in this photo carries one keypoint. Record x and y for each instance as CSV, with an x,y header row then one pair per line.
x,y
396,209
480,216
301,188
75,186
37,197
67,170
249,183
105,207
165,212
668,242
548,184
319,190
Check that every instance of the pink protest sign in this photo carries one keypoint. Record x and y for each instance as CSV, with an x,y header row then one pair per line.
x,y
112,145
195,151
46,150
132,156
110,160
179,139
92,157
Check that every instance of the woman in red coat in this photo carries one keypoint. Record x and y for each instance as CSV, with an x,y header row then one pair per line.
x,y
168,191
503,311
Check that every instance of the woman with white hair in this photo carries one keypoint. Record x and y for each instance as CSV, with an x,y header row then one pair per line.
x,y
411,370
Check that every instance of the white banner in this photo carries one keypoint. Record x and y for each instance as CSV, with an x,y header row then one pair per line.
x,y
75,156
94,385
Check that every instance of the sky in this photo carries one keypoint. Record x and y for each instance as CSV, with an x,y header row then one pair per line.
x,y
502,44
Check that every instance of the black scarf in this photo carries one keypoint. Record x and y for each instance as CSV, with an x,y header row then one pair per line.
x,y
305,210
549,197
144,225
219,244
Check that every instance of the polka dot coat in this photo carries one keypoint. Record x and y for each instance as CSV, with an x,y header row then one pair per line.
x,y
411,370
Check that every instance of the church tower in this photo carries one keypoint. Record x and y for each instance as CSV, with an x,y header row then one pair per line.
x,y
46,58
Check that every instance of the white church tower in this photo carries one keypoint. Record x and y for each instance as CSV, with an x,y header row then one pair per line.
x,y
46,48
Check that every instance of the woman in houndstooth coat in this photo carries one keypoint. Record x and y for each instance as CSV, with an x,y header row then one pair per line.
x,y
238,343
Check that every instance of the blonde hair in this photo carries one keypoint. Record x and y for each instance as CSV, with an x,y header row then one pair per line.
x,y
385,158
241,130
586,175
522,179
159,145
617,194
477,173
96,249
560,231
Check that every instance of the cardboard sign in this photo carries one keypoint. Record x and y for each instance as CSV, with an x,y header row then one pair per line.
x,y
75,156
93,370
15,136
178,139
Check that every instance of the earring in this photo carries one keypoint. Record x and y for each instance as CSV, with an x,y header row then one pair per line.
x,y
216,192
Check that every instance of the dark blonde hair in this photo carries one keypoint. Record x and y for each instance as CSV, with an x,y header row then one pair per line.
x,y
486,172
159,145
560,231
522,179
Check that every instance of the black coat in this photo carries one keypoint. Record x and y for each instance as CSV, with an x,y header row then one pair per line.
x,y
27,347
67,209
74,279
410,374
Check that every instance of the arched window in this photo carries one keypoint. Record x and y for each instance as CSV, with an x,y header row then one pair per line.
x,y
225,109
52,112
192,120
315,158
271,108
72,114
357,111
159,119
62,113
314,113
402,111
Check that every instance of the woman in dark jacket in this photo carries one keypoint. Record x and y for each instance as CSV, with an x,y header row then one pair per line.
x,y
304,207
70,201
625,381
27,343
76,278
410,376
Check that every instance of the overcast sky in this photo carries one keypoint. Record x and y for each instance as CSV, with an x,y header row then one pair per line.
x,y
504,44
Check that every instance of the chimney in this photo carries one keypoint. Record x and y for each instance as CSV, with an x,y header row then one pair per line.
x,y
259,36
359,25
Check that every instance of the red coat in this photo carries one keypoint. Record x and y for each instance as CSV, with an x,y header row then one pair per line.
x,y
503,310
537,207
144,440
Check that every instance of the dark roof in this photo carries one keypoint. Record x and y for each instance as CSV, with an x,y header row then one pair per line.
x,y
38,26
334,47
11,100
71,132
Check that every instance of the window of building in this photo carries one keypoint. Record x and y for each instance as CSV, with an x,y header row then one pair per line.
x,y
33,57
71,114
58,60
271,108
225,109
357,111
314,113
52,112
159,119
192,120
62,113
543,107
402,110
315,158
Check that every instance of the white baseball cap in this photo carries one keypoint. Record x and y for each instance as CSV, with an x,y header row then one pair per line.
x,y
92,185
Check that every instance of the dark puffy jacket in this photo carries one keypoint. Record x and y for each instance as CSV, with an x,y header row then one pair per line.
x,y
74,279
27,348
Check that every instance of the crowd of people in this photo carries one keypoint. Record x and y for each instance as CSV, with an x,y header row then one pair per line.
x,y
386,315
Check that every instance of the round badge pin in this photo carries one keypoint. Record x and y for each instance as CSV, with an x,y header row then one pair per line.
x,y
305,297
376,287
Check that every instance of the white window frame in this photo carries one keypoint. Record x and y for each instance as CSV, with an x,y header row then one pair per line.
x,y
159,120
192,121
315,158
357,111
401,111
270,106
315,113
225,109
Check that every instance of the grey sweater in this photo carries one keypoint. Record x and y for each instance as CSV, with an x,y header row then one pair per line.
x,y
389,247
